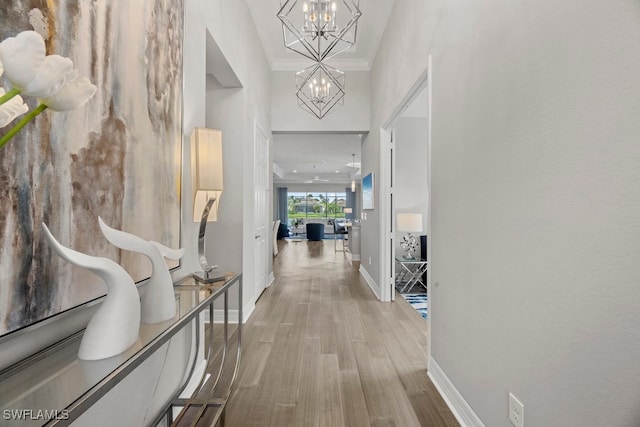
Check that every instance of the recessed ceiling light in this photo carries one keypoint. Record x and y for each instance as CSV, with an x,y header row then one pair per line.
x,y
295,171
337,171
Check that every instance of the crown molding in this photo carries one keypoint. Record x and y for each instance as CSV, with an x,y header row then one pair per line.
x,y
277,171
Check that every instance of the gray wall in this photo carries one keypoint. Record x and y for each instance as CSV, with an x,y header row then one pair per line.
x,y
400,60
535,208
353,115
410,187
535,230
235,111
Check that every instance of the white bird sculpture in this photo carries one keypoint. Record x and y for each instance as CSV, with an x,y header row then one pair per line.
x,y
116,324
158,299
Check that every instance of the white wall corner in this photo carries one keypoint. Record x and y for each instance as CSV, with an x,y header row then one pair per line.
x,y
372,283
247,310
452,397
270,279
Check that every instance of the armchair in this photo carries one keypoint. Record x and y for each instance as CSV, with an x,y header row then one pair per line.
x,y
315,231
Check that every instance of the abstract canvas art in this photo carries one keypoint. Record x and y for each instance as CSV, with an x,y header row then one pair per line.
x,y
118,156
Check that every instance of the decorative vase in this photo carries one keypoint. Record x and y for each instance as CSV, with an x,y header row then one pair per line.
x,y
116,324
157,300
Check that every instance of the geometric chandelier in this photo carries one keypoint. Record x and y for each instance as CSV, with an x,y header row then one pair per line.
x,y
319,88
319,29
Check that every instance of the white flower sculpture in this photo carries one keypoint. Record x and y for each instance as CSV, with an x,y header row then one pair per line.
x,y
409,243
50,78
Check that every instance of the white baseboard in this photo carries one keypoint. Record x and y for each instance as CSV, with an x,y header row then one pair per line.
x,y
218,314
351,256
454,400
372,283
270,279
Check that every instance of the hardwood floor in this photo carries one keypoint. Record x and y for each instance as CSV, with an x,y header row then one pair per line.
x,y
321,350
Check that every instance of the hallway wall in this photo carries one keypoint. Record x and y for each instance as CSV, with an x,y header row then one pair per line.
x,y
400,60
536,235
231,26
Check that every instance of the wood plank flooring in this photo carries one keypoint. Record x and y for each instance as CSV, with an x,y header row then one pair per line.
x,y
321,350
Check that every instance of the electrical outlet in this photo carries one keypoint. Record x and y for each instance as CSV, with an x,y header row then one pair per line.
x,y
516,411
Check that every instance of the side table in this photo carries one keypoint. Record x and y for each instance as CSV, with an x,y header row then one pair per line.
x,y
410,273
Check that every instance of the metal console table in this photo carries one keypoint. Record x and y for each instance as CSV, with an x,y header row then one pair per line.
x,y
81,384
207,404
410,274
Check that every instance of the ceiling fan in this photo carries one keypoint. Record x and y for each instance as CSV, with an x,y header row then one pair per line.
x,y
315,178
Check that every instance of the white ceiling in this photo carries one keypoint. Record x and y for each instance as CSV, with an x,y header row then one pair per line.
x,y
310,155
322,155
371,24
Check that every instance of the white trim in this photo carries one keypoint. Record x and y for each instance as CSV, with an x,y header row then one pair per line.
x,y
452,397
429,196
270,279
372,283
218,314
268,216
385,226
386,292
277,170
411,94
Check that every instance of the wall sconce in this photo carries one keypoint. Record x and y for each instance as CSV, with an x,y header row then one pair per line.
x,y
206,178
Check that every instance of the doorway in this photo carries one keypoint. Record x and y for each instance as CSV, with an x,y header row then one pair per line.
x,y
261,208
406,176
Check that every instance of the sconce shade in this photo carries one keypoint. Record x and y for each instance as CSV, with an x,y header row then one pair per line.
x,y
206,171
410,222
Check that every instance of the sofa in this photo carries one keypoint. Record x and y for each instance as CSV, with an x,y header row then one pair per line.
x,y
326,222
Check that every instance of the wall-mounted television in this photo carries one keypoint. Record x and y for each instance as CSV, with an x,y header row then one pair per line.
x,y
367,191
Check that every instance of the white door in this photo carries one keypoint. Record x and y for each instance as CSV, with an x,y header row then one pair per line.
x,y
392,214
261,208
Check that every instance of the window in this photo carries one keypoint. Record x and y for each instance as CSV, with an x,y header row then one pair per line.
x,y
325,205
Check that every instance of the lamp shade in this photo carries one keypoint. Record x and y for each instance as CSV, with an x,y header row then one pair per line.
x,y
410,222
347,210
206,171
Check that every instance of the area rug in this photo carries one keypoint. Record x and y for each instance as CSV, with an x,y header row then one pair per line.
x,y
417,301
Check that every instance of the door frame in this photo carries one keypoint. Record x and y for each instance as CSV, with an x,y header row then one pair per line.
x,y
387,211
257,133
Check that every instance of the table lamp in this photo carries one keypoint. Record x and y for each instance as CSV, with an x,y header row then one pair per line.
x,y
411,223
206,178
347,212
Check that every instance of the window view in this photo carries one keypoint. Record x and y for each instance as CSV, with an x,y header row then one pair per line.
x,y
325,205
